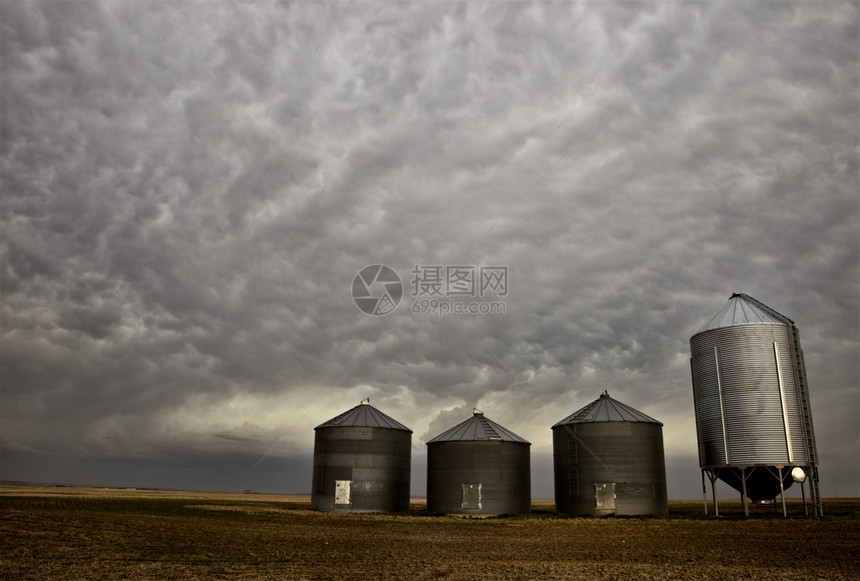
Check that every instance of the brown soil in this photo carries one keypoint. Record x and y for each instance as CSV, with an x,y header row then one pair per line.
x,y
80,533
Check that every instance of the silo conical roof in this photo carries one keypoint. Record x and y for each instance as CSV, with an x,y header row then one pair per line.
x,y
363,415
742,309
606,409
478,427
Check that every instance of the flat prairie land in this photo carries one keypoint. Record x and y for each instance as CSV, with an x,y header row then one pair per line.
x,y
89,533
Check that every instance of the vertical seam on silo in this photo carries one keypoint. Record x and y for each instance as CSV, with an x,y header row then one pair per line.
x,y
782,402
722,405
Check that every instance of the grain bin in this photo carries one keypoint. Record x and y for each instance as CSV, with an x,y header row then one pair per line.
x,y
751,398
608,459
362,463
478,467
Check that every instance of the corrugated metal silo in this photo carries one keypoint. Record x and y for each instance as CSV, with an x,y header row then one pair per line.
x,y
478,467
753,418
608,459
362,463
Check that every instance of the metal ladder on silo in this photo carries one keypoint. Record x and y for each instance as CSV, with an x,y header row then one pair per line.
x,y
806,415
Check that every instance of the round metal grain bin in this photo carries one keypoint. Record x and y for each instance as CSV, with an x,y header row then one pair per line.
x,y
608,459
362,463
751,399
478,467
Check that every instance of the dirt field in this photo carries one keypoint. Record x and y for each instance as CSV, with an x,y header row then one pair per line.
x,y
84,533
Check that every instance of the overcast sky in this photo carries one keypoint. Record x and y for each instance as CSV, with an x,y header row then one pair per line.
x,y
189,190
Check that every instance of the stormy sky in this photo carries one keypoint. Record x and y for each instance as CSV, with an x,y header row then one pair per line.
x,y
190,188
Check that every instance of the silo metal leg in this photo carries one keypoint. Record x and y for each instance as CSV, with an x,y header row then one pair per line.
x,y
744,492
713,478
782,492
704,493
803,495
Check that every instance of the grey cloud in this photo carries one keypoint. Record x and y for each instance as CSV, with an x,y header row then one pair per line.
x,y
189,190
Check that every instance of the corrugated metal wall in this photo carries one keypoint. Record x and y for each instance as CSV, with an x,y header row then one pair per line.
x,y
746,399
361,469
478,477
589,457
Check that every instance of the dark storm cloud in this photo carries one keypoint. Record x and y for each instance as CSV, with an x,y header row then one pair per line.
x,y
189,190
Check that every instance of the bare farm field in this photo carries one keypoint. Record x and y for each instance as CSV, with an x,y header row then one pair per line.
x,y
87,533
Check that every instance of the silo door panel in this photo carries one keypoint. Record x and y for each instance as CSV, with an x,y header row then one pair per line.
x,y
604,497
342,491
471,496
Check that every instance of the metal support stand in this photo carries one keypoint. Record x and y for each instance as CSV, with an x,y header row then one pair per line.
x,y
712,476
803,494
782,492
744,492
